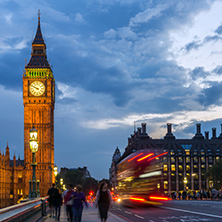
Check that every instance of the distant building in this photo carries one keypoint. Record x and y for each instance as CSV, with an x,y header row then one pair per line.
x,y
11,183
187,158
113,169
83,170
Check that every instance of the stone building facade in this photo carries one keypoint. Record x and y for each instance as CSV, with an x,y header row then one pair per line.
x,y
11,179
39,104
186,158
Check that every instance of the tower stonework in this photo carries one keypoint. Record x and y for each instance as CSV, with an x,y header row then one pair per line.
x,y
39,104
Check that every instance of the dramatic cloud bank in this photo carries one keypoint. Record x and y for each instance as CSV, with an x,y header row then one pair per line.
x,y
116,64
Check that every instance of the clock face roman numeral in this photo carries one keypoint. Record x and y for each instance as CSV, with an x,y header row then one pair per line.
x,y
37,88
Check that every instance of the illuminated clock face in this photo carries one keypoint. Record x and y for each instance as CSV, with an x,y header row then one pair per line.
x,y
37,88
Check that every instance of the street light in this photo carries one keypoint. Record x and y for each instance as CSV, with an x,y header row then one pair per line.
x,y
34,148
61,182
185,182
55,173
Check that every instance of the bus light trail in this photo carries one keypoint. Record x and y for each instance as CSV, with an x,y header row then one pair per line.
x,y
159,198
135,157
151,154
137,199
157,156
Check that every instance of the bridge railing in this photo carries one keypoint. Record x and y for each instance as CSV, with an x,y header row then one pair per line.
x,y
29,211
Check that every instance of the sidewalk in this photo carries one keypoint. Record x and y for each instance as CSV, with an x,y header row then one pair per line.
x,y
90,214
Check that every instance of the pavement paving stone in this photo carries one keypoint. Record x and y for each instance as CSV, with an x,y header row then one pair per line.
x,y
90,214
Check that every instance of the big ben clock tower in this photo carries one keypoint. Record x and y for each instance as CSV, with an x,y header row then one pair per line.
x,y
39,103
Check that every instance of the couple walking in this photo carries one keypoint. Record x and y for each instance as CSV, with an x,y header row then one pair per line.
x,y
74,200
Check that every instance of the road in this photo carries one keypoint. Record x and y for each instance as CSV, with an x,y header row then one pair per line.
x,y
172,211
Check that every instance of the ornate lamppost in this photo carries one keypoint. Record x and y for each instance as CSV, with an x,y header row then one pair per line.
x,y
55,173
34,148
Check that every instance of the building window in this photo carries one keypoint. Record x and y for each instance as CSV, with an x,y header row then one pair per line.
x,y
210,159
202,152
165,185
187,167
202,159
195,159
180,168
164,167
195,166
187,146
217,158
187,159
203,166
187,152
172,159
173,167
180,159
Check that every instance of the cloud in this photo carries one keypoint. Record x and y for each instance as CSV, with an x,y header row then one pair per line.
x,y
79,18
147,14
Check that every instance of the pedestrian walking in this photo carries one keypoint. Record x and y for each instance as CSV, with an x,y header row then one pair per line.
x,y
78,198
51,192
103,200
57,203
68,203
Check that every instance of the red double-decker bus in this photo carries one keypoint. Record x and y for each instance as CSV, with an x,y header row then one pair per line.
x,y
140,178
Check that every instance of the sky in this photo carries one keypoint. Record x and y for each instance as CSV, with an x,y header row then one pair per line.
x,y
116,64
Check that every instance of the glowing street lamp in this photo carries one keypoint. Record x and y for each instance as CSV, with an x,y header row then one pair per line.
x,y
34,148
61,183
185,182
55,173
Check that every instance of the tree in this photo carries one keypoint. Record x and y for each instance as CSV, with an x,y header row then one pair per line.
x,y
90,184
74,177
215,174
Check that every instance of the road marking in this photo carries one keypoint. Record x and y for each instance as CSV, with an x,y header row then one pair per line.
x,y
151,221
128,212
138,216
192,212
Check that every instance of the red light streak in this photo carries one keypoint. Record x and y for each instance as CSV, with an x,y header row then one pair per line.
x,y
151,154
135,157
157,156
137,199
158,198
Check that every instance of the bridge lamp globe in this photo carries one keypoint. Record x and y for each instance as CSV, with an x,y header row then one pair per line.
x,y
33,140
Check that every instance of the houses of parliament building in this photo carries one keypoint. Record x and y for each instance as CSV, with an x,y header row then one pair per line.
x,y
39,104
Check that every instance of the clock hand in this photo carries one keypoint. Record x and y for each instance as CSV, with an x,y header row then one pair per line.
x,y
36,87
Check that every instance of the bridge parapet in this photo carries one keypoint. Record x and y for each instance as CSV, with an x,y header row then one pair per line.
x,y
29,211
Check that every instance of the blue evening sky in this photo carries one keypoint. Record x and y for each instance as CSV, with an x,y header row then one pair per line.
x,y
115,62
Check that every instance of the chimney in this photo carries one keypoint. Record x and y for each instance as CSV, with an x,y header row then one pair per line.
x,y
143,128
169,128
198,134
198,128
169,134
214,133
207,135
139,131
220,137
